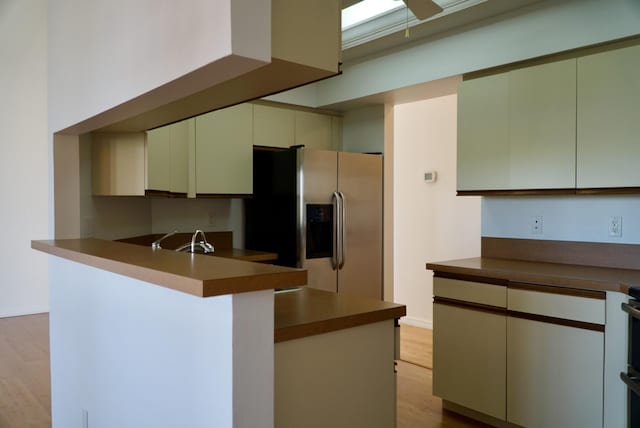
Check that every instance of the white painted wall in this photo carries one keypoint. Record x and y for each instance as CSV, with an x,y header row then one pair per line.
x,y
24,164
104,53
565,218
133,354
430,222
210,215
363,130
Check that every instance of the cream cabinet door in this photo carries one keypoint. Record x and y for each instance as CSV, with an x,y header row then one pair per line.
x,y
469,358
542,126
182,137
168,157
273,126
554,375
313,130
159,159
609,119
118,164
483,144
224,151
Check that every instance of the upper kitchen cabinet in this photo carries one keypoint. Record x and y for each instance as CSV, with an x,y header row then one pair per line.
x,y
313,130
483,133
118,164
608,149
168,149
516,130
542,126
224,151
273,126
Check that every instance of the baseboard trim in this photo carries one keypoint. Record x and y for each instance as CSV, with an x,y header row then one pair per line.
x,y
25,310
417,322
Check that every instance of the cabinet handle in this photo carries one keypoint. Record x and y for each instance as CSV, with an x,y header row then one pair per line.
x,y
343,228
631,383
335,198
631,310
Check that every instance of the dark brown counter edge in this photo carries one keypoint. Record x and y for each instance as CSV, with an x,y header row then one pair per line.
x,y
338,317
145,269
531,276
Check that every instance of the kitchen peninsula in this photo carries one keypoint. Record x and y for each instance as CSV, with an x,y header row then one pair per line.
x,y
143,337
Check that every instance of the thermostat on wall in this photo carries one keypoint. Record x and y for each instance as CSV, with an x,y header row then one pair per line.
x,y
430,176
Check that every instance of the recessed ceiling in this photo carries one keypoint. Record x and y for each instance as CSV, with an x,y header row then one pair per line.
x,y
386,30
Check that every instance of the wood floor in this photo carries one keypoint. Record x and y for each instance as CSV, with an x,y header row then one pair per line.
x,y
25,400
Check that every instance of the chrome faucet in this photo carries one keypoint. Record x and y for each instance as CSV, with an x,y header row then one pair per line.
x,y
205,246
156,244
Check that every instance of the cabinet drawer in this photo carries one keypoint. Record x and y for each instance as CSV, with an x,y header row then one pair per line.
x,y
474,292
555,304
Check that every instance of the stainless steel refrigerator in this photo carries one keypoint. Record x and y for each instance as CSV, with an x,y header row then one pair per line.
x,y
321,211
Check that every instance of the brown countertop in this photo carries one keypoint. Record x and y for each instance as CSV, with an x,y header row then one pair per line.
x,y
307,312
246,255
222,241
568,275
197,274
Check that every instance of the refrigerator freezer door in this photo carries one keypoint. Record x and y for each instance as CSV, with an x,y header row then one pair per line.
x,y
360,181
319,181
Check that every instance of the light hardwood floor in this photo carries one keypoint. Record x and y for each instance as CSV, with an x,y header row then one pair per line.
x,y
25,400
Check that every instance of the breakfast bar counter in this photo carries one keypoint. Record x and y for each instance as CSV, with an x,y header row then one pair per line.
x,y
196,274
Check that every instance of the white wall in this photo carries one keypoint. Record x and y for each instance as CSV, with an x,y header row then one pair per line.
x,y
24,165
565,218
210,215
105,53
133,354
363,130
430,222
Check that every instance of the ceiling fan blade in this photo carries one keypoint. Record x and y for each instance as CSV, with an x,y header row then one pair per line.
x,y
423,9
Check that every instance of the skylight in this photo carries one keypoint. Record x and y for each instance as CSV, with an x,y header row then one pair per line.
x,y
367,9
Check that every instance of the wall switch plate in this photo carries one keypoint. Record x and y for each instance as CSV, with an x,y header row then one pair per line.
x,y
615,226
536,225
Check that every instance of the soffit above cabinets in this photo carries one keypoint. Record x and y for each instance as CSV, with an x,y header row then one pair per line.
x,y
387,30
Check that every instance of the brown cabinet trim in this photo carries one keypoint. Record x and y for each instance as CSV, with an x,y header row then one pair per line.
x,y
608,191
569,191
558,321
590,294
469,305
163,194
516,192
472,278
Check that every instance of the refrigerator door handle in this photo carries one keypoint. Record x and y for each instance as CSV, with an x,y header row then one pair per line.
x,y
336,230
343,229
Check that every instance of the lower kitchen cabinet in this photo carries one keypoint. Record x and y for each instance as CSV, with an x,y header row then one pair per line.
x,y
539,363
469,358
554,375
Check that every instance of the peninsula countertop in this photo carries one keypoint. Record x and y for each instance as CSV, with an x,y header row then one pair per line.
x,y
196,274
307,312
559,274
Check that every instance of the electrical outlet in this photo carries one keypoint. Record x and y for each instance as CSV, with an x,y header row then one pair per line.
x,y
212,218
536,225
615,226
